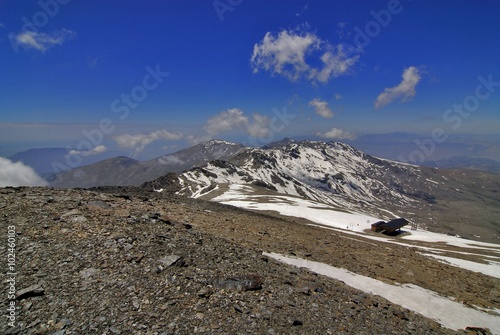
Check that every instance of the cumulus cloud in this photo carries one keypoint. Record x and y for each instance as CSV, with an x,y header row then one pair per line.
x,y
18,174
259,127
225,121
284,54
42,41
139,141
321,108
335,64
95,151
337,134
292,54
233,119
338,96
405,91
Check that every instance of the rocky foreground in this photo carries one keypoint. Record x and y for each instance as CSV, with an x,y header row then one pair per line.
x,y
131,261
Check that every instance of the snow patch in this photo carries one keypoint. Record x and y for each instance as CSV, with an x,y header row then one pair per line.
x,y
450,314
490,269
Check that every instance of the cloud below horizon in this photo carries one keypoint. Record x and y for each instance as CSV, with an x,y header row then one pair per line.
x,y
337,134
404,91
139,141
18,174
95,151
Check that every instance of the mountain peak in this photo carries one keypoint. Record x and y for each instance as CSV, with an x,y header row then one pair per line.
x,y
219,142
284,142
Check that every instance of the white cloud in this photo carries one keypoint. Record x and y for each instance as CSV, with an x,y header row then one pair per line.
x,y
321,108
338,96
335,64
18,174
95,151
230,120
260,127
2,25
42,41
337,134
170,160
235,118
139,141
286,54
192,139
225,121
405,91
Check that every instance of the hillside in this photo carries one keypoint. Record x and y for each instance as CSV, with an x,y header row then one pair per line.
x,y
126,260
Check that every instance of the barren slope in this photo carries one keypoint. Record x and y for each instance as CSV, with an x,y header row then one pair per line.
x,y
136,262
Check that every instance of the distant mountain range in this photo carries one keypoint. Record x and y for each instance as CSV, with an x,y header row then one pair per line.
x,y
40,159
477,152
124,171
465,162
47,161
470,151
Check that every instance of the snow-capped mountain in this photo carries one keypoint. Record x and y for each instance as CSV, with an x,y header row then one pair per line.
x,y
330,173
339,176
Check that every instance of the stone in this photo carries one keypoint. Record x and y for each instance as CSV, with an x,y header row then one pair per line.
x,y
78,219
478,331
115,330
205,292
70,213
31,291
171,260
99,204
239,283
90,272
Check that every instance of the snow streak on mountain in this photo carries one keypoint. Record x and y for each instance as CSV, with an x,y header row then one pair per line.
x,y
334,174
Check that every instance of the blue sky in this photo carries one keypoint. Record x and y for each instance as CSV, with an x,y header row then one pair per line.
x,y
151,77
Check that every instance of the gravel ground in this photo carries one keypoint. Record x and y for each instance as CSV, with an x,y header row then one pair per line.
x,y
130,261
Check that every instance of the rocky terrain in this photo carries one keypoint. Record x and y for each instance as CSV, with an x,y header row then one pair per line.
x,y
126,260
